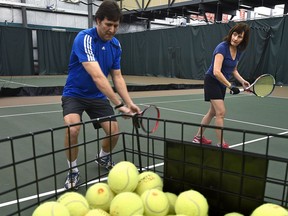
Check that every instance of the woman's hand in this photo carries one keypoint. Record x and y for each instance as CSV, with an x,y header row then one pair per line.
x,y
245,84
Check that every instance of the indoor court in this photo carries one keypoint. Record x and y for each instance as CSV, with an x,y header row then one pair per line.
x,y
164,49
33,126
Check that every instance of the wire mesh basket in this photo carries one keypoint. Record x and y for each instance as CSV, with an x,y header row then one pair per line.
x,y
33,166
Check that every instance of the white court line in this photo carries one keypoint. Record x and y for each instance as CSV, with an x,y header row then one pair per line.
x,y
24,114
159,102
255,140
27,105
8,81
44,104
164,108
227,119
161,164
13,202
43,194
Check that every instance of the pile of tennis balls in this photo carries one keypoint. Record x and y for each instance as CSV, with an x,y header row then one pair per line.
x,y
128,192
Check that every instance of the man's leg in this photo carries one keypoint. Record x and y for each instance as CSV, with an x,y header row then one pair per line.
x,y
71,140
111,130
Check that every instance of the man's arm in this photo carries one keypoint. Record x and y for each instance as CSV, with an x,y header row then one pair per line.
x,y
121,88
101,81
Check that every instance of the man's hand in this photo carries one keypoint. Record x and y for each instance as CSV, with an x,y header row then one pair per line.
x,y
125,110
134,108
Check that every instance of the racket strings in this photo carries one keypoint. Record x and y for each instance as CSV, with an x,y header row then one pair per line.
x,y
264,86
149,120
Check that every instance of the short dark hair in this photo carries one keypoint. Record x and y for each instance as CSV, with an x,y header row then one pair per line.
x,y
239,28
109,9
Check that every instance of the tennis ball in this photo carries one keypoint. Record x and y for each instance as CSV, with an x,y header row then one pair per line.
x,y
123,177
99,196
155,202
97,212
192,203
126,203
233,214
172,200
270,209
51,208
76,203
148,180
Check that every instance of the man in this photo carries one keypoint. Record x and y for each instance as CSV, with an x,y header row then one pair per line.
x,y
95,54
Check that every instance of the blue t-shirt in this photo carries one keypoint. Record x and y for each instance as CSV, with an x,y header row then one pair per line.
x,y
88,47
228,64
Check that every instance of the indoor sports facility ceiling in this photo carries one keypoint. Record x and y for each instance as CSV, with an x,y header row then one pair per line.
x,y
134,10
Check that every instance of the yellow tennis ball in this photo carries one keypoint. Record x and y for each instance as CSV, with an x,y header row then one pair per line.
x,y
172,200
76,203
123,177
155,202
126,203
233,214
148,180
97,212
100,196
51,208
270,209
192,203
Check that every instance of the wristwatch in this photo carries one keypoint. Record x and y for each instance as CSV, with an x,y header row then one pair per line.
x,y
118,106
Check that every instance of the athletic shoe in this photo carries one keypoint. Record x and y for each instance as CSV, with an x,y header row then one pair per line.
x,y
202,140
224,145
105,162
72,180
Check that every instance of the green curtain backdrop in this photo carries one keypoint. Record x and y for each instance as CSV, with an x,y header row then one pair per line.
x,y
16,51
183,52
54,51
186,52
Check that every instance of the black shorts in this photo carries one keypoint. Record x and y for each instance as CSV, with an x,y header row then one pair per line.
x,y
95,108
213,89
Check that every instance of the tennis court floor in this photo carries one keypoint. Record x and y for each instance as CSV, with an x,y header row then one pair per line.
x,y
33,160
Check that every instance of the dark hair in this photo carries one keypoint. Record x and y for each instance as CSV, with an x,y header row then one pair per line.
x,y
109,9
239,28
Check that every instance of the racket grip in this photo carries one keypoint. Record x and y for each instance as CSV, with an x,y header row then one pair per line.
x,y
234,90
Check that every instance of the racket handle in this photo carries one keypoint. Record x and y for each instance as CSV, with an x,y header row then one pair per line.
x,y
234,90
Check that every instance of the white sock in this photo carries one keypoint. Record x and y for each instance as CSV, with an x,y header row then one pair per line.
x,y
103,154
73,165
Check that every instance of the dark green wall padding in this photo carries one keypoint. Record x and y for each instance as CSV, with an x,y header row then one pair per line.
x,y
182,52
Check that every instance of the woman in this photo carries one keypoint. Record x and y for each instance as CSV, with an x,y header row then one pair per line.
x,y
224,64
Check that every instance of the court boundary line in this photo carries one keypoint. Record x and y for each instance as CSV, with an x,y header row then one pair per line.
x,y
201,99
255,140
227,119
161,164
164,108
28,198
18,83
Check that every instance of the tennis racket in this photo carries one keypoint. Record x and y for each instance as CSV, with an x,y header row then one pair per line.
x,y
262,86
148,119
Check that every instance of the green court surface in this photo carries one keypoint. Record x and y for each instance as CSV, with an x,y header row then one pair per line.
x,y
42,124
38,81
32,81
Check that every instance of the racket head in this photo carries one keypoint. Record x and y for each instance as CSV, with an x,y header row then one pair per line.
x,y
263,85
149,119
